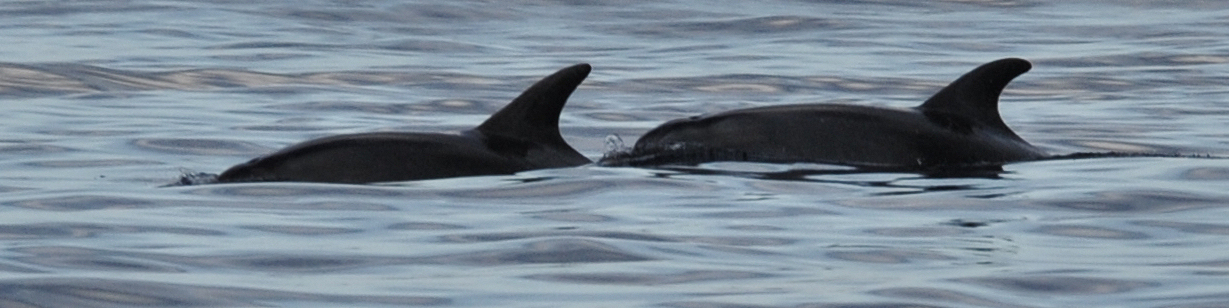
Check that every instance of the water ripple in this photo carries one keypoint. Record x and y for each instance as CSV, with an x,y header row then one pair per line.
x,y
565,250
94,292
1060,285
649,279
201,147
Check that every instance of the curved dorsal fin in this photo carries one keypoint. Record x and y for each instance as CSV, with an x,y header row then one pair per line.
x,y
534,115
976,94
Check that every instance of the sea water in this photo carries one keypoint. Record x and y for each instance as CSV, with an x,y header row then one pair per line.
x,y
105,102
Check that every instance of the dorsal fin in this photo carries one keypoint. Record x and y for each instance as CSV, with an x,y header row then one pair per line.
x,y
976,94
534,115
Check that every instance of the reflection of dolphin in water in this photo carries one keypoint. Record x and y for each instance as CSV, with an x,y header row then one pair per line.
x,y
522,136
959,126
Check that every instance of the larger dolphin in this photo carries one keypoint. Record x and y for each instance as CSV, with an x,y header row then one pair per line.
x,y
959,126
524,135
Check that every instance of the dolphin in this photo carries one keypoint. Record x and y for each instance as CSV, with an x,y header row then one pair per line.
x,y
524,135
959,126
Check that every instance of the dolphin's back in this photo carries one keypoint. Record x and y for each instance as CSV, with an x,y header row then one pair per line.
x,y
836,134
959,125
376,157
524,135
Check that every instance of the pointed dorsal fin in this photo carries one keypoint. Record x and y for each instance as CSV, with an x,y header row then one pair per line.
x,y
976,94
534,115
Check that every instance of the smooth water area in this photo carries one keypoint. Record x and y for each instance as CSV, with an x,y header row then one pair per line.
x,y
105,102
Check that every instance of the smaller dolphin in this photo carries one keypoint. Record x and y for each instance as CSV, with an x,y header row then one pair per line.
x,y
959,126
522,136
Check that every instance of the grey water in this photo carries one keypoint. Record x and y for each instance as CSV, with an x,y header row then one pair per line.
x,y
104,102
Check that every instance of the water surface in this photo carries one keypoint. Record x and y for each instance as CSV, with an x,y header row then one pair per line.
x,y
107,101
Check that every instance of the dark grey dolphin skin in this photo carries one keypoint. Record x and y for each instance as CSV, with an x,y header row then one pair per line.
x,y
522,136
959,126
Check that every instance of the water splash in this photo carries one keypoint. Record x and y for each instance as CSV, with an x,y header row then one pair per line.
x,y
614,143
189,178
